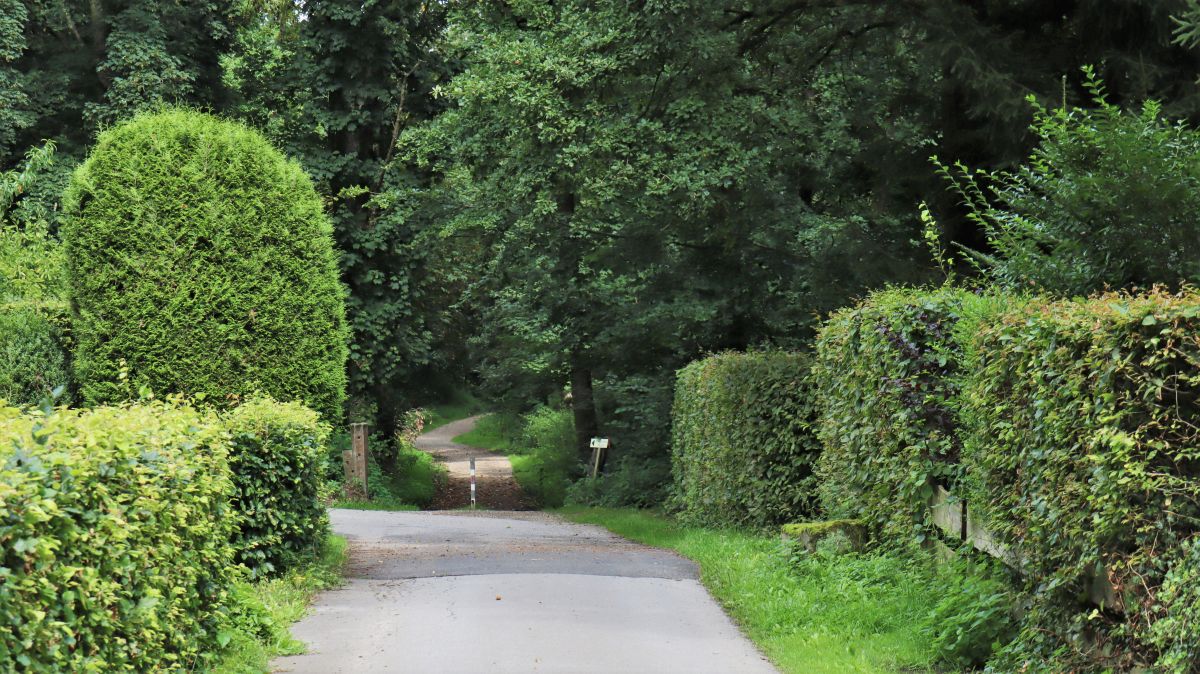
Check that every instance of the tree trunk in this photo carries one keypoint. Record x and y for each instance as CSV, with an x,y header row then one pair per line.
x,y
584,408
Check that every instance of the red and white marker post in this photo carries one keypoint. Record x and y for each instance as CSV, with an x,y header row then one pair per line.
x,y
472,482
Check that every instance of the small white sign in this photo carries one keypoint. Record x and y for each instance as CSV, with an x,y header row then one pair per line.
x,y
599,443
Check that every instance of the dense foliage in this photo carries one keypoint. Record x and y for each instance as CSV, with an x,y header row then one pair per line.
x,y
885,377
277,458
1080,438
33,355
201,262
115,529
1107,199
743,443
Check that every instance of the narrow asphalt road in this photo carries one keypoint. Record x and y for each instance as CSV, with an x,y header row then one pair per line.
x,y
496,592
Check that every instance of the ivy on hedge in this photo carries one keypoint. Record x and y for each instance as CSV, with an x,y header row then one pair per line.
x,y
1081,438
885,377
200,261
115,529
742,441
277,459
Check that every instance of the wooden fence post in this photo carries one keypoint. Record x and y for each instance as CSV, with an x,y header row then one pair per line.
x,y
355,460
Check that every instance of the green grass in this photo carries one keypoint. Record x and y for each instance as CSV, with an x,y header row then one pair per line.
x,y
543,480
819,613
460,406
382,503
271,606
416,477
496,432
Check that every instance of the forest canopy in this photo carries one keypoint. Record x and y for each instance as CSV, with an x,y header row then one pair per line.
x,y
537,197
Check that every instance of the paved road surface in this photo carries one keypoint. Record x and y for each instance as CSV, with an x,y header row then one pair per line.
x,y
498,592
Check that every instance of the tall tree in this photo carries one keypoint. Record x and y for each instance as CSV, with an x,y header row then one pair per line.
x,y
335,83
653,180
68,67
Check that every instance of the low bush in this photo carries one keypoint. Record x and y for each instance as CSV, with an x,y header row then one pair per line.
x,y
743,446
115,530
547,460
277,459
886,375
629,481
33,352
1081,429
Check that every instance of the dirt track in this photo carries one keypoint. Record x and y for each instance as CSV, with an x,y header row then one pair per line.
x,y
496,488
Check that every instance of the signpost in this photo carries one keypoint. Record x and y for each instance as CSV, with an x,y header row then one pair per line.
x,y
599,450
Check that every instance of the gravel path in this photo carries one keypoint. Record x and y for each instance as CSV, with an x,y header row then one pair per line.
x,y
496,489
498,592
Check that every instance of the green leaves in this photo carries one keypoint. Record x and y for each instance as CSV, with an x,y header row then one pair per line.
x,y
1079,442
115,552
277,457
742,443
201,261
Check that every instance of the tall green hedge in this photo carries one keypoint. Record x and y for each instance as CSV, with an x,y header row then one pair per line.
x,y
742,441
33,352
886,375
200,261
115,528
1081,438
277,458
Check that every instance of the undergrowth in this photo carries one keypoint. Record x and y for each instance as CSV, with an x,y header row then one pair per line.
x,y
268,608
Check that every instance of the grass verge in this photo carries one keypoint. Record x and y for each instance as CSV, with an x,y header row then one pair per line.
x,y
813,614
271,606
411,486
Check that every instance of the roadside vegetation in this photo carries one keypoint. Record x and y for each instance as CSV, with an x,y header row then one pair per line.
x,y
460,405
826,611
540,446
269,607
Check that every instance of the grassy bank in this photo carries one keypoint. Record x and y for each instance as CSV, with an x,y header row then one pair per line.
x,y
809,614
271,606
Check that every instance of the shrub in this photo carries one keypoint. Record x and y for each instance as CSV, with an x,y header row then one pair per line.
x,y
885,377
277,459
546,458
115,529
199,256
628,482
1108,198
742,442
33,355
1081,428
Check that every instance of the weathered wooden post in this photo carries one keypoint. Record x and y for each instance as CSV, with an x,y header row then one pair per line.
x,y
354,461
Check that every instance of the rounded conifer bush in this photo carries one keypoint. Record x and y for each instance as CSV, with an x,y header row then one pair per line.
x,y
200,261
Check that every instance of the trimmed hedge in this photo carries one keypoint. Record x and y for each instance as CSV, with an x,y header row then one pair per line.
x,y
278,460
115,529
885,377
200,261
742,442
33,353
1081,428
